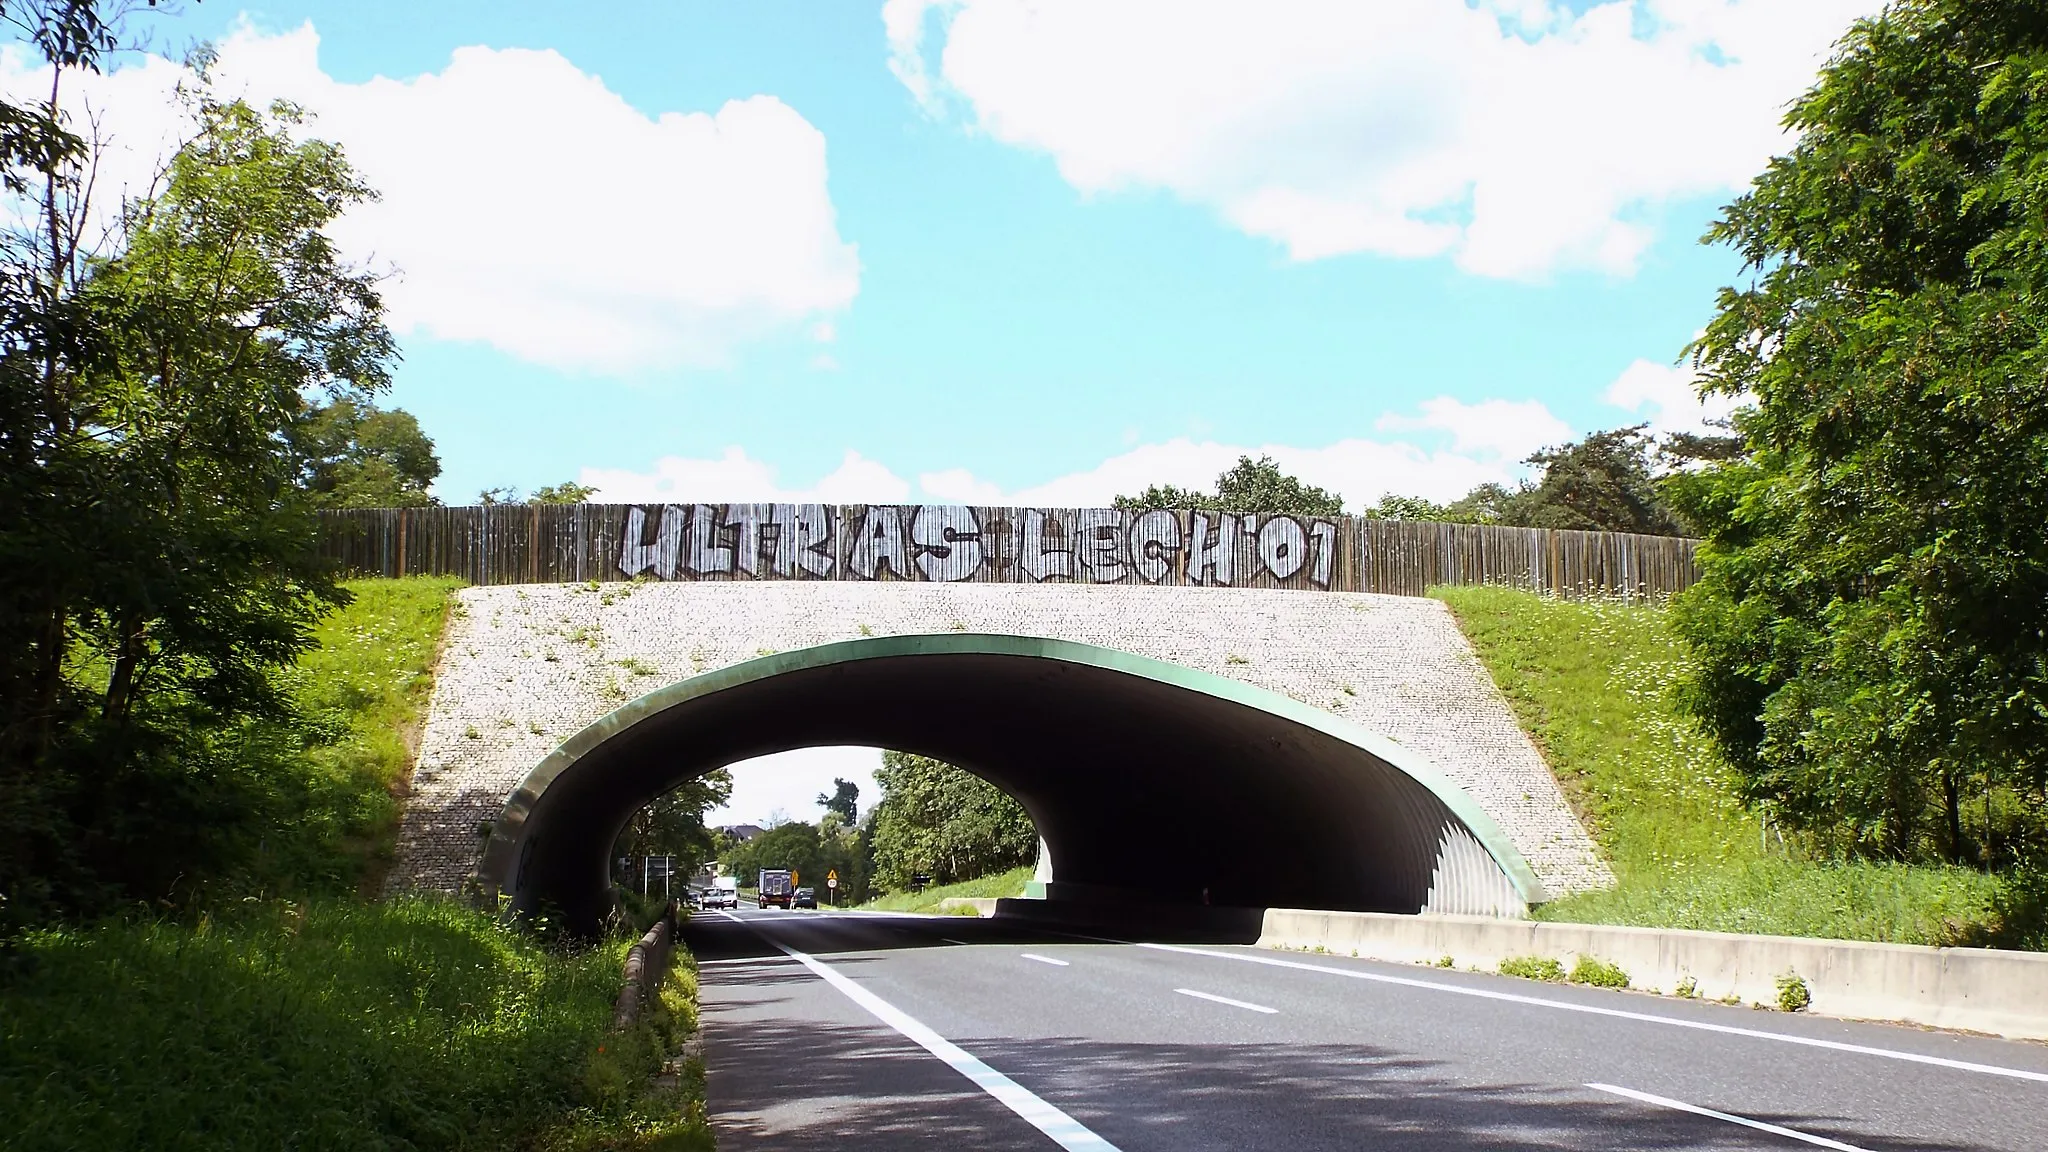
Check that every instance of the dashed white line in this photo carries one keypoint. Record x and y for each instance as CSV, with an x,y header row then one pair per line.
x,y
1043,959
950,940
1063,1129
1227,1000
1746,1122
1594,1010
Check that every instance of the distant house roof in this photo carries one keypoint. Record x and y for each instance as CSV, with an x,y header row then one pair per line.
x,y
742,832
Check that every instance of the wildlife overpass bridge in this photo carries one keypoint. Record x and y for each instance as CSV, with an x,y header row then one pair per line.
x,y
1333,750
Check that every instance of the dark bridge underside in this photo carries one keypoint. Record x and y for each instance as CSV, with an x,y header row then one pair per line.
x,y
1142,776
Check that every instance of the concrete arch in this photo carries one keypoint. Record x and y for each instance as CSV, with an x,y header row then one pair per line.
x,y
1145,778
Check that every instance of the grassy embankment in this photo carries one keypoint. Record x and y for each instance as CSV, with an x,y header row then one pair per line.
x,y
1591,683
367,685
330,1021
1000,884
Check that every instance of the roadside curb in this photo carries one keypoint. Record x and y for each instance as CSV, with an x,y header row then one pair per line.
x,y
1985,990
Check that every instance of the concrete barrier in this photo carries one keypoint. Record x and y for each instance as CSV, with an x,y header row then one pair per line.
x,y
961,905
1975,989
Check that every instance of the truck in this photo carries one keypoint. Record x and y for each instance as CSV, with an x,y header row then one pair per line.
x,y
776,887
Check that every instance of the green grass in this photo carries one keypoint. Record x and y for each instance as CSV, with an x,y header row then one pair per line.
x,y
1591,683
999,884
364,690
333,1024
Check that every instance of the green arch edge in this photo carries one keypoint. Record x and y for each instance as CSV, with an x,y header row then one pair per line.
x,y
501,854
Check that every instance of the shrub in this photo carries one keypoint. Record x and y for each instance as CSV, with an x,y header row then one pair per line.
x,y
1533,968
331,1024
1793,995
1598,973
1688,989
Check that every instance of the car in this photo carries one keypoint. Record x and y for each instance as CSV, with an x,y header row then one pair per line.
x,y
721,898
804,898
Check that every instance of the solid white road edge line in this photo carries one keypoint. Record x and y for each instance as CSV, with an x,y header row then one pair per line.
x,y
1063,1129
1746,1122
1592,1010
1043,959
1229,1001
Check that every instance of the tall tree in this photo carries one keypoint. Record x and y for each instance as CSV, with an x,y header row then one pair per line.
x,y
1602,483
673,825
844,799
1870,634
945,823
156,553
356,455
1247,486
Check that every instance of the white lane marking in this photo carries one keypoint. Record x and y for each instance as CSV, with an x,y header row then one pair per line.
x,y
950,940
1043,959
1746,1122
1617,1013
1228,1000
1063,1129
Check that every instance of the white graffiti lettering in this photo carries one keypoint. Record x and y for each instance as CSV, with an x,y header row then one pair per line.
x,y
1212,549
1036,560
660,556
949,543
1324,535
1098,539
707,553
803,540
1155,540
879,544
1282,546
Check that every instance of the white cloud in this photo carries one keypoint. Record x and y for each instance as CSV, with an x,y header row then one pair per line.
x,y
739,478
1498,428
529,207
789,782
1668,398
1515,136
1361,471
1461,445
823,332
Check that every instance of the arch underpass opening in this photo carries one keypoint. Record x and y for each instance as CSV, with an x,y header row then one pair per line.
x,y
1147,780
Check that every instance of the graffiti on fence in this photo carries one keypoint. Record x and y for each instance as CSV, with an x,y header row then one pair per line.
x,y
943,542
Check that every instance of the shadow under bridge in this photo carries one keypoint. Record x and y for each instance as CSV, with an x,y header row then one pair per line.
x,y
1146,779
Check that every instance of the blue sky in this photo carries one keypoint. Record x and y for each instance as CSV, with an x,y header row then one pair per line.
x,y
983,249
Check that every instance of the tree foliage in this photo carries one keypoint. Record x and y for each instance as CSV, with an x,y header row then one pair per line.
x,y
1247,486
812,851
1870,636
157,565
945,823
673,825
356,455
843,800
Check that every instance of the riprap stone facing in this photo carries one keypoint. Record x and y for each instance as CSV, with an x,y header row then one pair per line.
x,y
526,666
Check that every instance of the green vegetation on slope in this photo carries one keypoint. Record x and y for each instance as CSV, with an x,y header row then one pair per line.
x,y
1591,683
362,692
333,1024
999,884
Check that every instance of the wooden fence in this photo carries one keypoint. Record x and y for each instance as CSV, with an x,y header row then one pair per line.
x,y
531,544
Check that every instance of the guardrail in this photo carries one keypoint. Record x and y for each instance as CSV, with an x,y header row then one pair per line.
x,y
646,964
534,544
1978,989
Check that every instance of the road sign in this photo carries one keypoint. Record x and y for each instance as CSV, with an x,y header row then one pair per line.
x,y
831,876
831,881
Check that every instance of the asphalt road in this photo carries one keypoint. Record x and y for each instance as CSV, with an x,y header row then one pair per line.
x,y
866,1031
